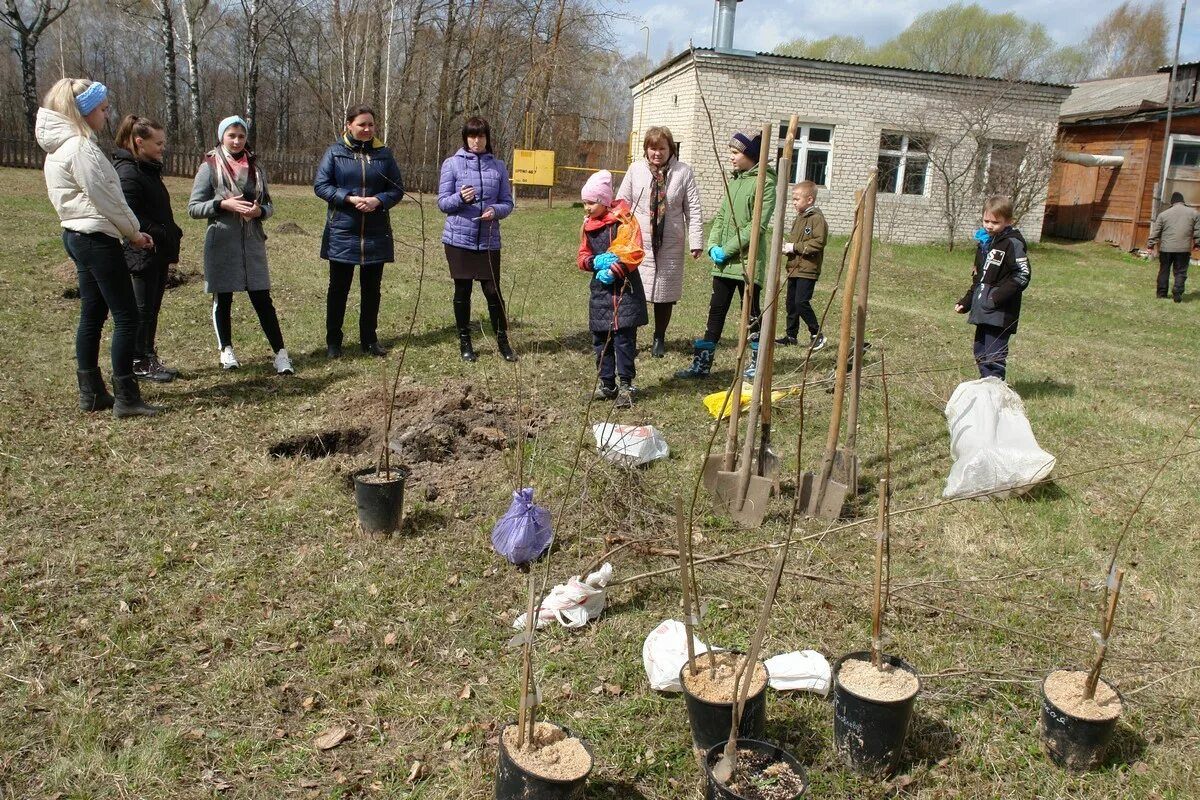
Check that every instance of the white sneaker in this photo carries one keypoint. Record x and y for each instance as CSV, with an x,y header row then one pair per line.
x,y
228,359
283,364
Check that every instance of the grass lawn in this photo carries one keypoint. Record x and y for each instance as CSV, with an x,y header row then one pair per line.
x,y
182,614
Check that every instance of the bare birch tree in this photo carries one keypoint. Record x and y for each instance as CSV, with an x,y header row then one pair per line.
x,y
27,34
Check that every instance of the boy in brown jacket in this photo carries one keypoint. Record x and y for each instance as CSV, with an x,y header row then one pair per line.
x,y
805,249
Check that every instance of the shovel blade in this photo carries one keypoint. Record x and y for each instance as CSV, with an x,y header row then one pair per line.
x,y
845,467
713,466
832,500
754,508
804,489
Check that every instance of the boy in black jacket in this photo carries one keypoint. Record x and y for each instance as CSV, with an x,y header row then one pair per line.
x,y
999,278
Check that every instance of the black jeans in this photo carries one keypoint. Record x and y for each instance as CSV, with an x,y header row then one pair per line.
x,y
718,306
616,352
1172,262
267,318
104,286
991,350
149,286
799,307
341,275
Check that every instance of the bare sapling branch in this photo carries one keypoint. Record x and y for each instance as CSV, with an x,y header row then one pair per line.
x,y
685,567
881,537
1111,593
528,708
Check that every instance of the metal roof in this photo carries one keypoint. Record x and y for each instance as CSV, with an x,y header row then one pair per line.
x,y
1114,96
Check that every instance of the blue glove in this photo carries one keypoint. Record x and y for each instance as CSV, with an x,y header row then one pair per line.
x,y
716,254
982,237
604,261
605,276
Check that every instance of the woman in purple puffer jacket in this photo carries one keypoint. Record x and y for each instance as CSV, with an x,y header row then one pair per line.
x,y
475,194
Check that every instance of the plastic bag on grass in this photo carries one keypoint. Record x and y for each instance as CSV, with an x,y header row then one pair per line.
x,y
524,532
992,443
804,669
630,445
713,402
574,603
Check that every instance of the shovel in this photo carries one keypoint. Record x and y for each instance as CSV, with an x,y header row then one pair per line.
x,y
715,464
768,459
829,494
846,466
746,496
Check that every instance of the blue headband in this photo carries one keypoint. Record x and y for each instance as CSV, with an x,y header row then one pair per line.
x,y
90,98
228,121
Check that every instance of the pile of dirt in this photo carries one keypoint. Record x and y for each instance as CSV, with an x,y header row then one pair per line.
x,y
449,437
64,276
290,229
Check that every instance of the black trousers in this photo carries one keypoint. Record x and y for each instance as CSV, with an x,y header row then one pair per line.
x,y
104,286
718,306
341,275
991,350
149,286
616,353
799,306
1172,262
267,318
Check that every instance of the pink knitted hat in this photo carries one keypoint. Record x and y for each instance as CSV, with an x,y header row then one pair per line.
x,y
598,188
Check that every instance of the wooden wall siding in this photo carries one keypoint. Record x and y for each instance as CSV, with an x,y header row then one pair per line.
x,y
1116,207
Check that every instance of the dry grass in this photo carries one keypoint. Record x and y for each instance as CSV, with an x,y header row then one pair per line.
x,y
181,615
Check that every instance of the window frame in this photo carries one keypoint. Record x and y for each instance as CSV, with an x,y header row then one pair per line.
x,y
802,146
903,154
983,170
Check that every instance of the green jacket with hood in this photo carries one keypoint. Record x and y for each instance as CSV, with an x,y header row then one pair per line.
x,y
731,226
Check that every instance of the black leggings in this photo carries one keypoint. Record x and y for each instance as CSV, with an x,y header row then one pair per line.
x,y
662,318
718,306
149,285
267,318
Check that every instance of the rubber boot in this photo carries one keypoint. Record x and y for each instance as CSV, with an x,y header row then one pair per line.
x,y
462,321
702,360
504,347
129,401
93,394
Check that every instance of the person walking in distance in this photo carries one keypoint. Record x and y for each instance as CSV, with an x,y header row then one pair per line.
x,y
1174,234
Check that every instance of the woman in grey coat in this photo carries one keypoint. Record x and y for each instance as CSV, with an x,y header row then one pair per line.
x,y
230,191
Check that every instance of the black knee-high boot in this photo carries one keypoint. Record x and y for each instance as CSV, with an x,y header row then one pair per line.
x,y
462,321
500,326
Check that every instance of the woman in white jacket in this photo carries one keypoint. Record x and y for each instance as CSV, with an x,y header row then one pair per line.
x,y
664,197
86,193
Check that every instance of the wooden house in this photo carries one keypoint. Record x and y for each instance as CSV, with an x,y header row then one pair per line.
x,y
1110,153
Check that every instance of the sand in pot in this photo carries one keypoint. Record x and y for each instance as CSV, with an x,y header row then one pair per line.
x,y
888,685
381,477
720,688
760,777
552,755
1064,688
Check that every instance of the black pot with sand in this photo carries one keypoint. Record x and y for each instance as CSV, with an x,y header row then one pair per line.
x,y
380,499
871,711
555,767
710,702
1076,732
764,772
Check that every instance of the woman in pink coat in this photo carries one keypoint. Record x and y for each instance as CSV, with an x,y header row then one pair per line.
x,y
664,197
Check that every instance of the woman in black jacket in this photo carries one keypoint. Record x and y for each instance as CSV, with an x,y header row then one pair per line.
x,y
360,181
138,160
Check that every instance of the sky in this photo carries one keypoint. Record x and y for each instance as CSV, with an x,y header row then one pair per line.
x,y
763,25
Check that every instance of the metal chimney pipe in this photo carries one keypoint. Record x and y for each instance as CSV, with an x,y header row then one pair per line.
x,y
726,11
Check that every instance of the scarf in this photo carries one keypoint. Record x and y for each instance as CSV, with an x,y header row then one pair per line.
x,y
658,204
234,175
356,144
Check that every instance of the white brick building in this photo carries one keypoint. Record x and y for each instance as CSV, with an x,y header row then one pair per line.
x,y
856,117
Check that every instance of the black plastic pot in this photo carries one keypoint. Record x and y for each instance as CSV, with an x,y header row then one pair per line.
x,y
715,790
514,783
1073,742
869,734
711,721
380,503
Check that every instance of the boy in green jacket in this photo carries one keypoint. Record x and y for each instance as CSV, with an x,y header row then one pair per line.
x,y
728,243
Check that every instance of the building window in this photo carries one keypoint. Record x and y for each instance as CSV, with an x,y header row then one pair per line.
x,y
903,163
999,167
1185,154
813,151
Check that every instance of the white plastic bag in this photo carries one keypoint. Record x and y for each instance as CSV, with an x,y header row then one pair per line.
x,y
665,652
991,442
805,669
574,603
630,445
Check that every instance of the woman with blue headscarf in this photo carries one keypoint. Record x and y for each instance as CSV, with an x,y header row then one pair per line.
x,y
230,191
86,193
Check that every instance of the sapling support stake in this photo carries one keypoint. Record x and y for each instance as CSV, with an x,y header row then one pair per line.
x,y
528,709
877,592
1112,592
744,678
685,565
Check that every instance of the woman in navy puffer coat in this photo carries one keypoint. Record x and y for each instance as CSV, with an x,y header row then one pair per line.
x,y
359,179
475,194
